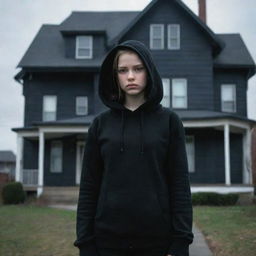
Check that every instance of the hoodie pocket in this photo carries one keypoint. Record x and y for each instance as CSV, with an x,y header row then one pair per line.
x,y
125,214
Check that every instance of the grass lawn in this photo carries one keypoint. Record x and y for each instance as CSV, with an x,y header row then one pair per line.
x,y
230,231
28,230
36,231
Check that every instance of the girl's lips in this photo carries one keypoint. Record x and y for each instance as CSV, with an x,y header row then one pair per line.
x,y
132,85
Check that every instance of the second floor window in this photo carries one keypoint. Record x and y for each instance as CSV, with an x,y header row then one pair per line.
x,y
84,47
179,93
166,97
49,107
82,105
56,157
228,97
173,36
156,36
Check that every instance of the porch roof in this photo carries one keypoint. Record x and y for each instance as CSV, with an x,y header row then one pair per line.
x,y
208,114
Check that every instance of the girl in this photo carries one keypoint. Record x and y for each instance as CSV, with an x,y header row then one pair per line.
x,y
134,194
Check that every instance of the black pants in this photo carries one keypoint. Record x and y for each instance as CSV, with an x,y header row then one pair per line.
x,y
157,251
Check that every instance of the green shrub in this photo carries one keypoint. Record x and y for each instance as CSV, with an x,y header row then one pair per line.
x,y
13,193
212,198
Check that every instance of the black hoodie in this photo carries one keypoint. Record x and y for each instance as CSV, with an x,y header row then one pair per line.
x,y
134,189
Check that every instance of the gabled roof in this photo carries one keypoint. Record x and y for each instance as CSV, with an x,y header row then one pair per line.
x,y
7,156
235,54
216,42
47,50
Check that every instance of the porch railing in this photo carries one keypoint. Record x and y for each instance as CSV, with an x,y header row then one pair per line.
x,y
30,177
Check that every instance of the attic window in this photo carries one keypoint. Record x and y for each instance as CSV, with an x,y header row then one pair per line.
x,y
83,47
174,36
156,36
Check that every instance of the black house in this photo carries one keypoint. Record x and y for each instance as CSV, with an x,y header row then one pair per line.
x,y
205,77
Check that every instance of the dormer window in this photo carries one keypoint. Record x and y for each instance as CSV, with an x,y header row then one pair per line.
x,y
174,36
156,36
84,47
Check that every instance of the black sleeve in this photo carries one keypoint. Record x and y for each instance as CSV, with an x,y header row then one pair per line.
x,y
179,187
88,194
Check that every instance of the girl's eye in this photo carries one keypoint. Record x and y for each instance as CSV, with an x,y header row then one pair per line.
x,y
121,71
139,69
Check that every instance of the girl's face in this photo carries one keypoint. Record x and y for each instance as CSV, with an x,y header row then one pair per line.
x,y
131,74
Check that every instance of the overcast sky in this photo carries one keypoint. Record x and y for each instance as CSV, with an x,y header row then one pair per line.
x,y
21,19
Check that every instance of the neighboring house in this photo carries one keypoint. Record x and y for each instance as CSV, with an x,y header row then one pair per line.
x,y
205,78
7,166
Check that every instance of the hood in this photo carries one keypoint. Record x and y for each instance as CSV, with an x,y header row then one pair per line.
x,y
108,89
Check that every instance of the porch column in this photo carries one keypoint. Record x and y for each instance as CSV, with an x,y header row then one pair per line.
x,y
40,164
227,154
247,170
19,160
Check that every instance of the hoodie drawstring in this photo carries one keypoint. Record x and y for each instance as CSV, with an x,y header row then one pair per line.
x,y
122,134
141,133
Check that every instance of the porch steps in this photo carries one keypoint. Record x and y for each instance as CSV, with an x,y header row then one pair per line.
x,y
60,195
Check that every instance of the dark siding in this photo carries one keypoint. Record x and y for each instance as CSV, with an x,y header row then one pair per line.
x,y
193,61
68,175
66,86
99,47
30,154
209,156
236,158
231,77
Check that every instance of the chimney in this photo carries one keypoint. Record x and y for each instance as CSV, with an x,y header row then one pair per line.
x,y
202,10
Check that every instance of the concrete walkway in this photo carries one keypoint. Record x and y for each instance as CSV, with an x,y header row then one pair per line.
x,y
199,246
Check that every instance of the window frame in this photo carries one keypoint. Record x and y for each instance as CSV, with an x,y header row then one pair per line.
x,y
186,91
90,47
61,156
194,153
234,99
152,38
43,108
165,99
169,46
86,106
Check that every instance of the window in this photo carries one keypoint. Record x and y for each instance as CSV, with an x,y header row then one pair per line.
x,y
179,93
190,149
82,105
56,157
156,36
84,47
49,107
173,36
228,97
166,87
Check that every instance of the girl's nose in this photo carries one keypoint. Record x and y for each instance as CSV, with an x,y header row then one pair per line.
x,y
130,74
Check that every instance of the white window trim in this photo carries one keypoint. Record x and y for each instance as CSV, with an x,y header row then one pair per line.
x,y
186,96
90,48
61,145
234,90
170,47
193,145
151,36
44,97
77,112
169,90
